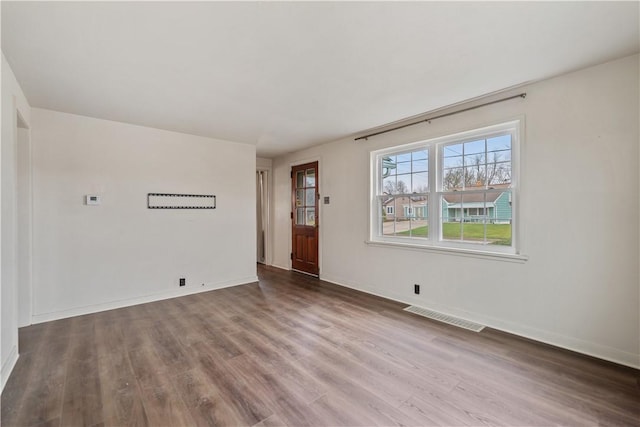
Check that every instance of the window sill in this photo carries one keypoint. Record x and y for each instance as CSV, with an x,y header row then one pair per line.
x,y
497,256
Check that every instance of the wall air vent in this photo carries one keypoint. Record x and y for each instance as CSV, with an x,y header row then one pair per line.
x,y
445,318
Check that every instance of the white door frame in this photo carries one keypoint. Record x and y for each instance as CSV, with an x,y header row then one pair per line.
x,y
24,223
267,220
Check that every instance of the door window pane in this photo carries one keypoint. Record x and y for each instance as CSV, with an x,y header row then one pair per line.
x,y
311,178
311,197
311,216
299,179
300,216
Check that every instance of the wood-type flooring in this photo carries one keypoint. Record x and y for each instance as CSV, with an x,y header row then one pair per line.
x,y
293,350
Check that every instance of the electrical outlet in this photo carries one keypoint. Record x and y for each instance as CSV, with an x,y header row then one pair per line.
x,y
416,289
183,281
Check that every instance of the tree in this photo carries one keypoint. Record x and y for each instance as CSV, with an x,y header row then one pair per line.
x,y
399,187
498,172
478,172
453,178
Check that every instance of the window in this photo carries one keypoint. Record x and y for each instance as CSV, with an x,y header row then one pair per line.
x,y
456,191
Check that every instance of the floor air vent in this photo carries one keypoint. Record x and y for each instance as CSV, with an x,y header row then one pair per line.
x,y
445,318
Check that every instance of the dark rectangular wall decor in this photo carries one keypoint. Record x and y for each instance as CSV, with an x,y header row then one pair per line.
x,y
180,201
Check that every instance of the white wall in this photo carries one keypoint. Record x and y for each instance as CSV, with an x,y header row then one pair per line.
x,y
263,163
89,258
579,204
13,101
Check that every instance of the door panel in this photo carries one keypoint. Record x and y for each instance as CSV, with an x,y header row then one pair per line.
x,y
304,218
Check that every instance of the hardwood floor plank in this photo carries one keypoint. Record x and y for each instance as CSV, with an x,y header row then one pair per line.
x,y
168,349
122,404
206,406
164,407
43,396
147,367
266,356
376,407
14,390
283,396
220,341
83,401
333,410
272,421
241,397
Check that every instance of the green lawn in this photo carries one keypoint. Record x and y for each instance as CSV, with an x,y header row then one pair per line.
x,y
497,234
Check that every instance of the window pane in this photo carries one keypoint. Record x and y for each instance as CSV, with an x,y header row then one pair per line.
x,y
474,159
419,155
310,197
409,218
483,218
452,150
499,172
502,142
499,218
420,182
311,216
452,162
468,177
311,178
417,225
403,185
453,179
388,165
299,179
421,165
388,215
485,163
475,176
404,167
299,197
300,216
389,185
474,147
405,157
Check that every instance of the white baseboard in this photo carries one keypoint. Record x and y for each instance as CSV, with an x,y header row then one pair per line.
x,y
596,350
111,305
280,267
8,365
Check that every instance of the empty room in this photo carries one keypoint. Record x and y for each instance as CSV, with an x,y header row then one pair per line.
x,y
320,213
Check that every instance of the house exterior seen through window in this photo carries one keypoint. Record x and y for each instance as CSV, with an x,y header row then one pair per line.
x,y
457,191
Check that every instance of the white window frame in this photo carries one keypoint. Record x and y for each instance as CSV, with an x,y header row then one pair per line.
x,y
435,192
390,210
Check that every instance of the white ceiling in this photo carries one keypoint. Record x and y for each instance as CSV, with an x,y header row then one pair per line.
x,y
284,76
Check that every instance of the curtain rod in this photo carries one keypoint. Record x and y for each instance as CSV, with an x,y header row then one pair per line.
x,y
520,95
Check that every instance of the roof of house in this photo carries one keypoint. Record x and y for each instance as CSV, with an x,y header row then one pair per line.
x,y
476,197
471,198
